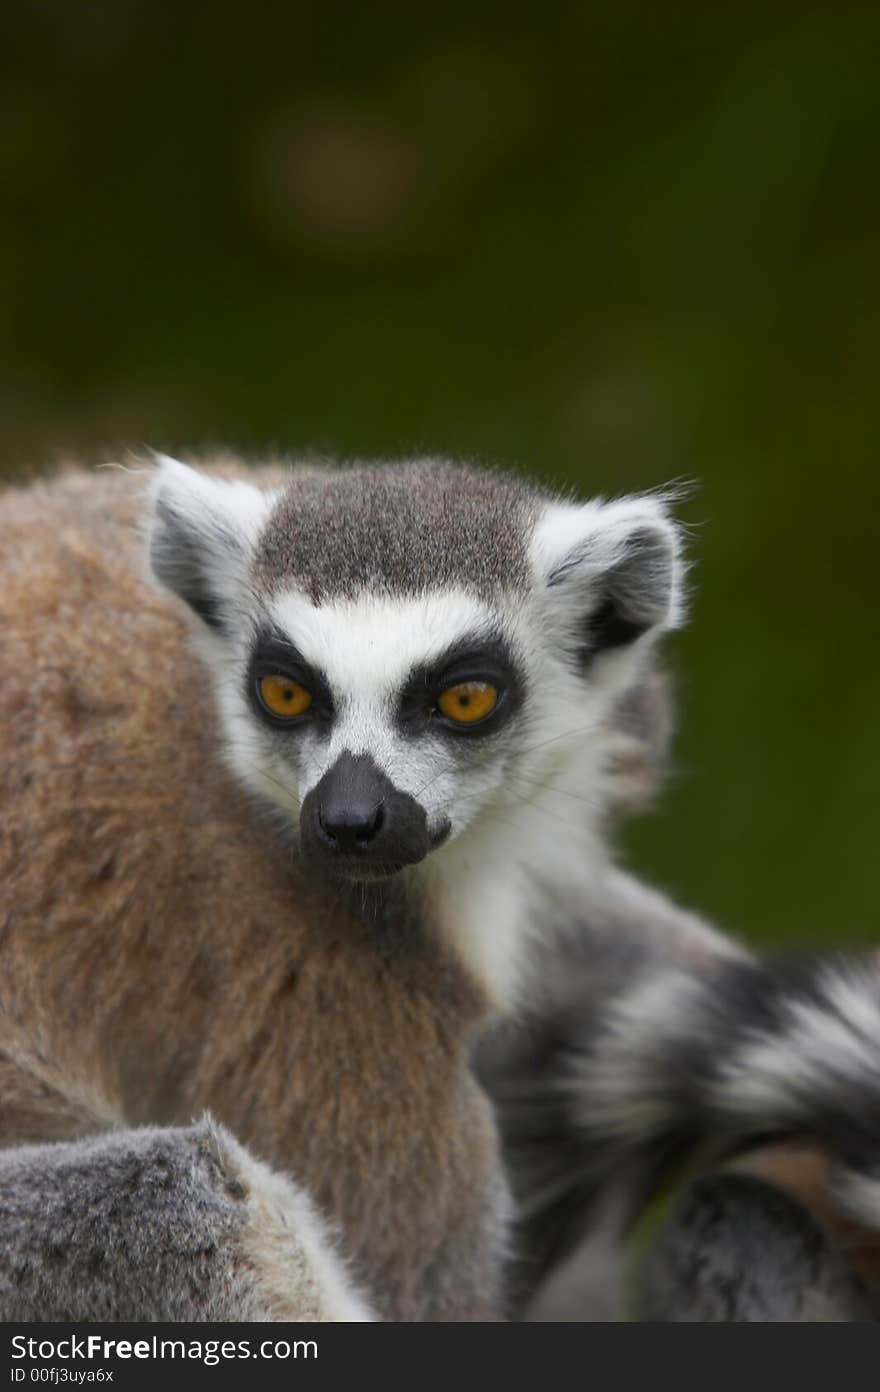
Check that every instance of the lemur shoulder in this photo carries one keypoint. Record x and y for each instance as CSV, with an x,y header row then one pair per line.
x,y
278,831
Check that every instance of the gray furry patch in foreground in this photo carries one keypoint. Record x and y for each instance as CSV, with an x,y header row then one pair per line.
x,y
172,1224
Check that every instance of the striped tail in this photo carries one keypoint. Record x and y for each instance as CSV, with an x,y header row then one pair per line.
x,y
680,1071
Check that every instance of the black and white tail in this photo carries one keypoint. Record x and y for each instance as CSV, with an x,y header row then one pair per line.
x,y
680,1070
683,1065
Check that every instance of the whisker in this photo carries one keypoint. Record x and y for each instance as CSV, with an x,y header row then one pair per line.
x,y
591,728
594,803
264,772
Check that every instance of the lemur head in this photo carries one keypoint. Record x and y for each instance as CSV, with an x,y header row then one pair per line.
x,y
401,652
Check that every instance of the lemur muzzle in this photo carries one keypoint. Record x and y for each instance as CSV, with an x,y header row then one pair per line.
x,y
355,817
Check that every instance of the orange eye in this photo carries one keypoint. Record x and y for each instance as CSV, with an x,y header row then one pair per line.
x,y
468,702
283,696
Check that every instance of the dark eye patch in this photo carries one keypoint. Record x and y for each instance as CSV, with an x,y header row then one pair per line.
x,y
272,654
470,660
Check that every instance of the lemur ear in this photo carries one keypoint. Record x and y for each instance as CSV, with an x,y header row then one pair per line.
x,y
610,572
202,530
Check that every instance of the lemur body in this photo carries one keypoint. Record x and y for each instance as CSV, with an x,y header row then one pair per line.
x,y
299,922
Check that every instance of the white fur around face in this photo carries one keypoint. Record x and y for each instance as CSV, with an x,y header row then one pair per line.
x,y
366,648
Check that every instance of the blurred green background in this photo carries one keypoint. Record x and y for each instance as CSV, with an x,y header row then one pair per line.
x,y
611,244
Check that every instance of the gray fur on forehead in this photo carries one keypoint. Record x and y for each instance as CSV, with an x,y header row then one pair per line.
x,y
398,529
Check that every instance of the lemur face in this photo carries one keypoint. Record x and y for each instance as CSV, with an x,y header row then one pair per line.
x,y
393,716
401,652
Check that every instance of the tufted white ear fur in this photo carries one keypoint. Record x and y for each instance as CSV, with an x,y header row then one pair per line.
x,y
202,532
609,573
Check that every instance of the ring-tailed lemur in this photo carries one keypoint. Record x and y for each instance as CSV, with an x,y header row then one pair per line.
x,y
755,1085
276,838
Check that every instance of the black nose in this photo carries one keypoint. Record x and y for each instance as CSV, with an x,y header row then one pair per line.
x,y
356,822
348,825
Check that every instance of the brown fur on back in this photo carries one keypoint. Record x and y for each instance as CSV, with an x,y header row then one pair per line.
x,y
160,952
